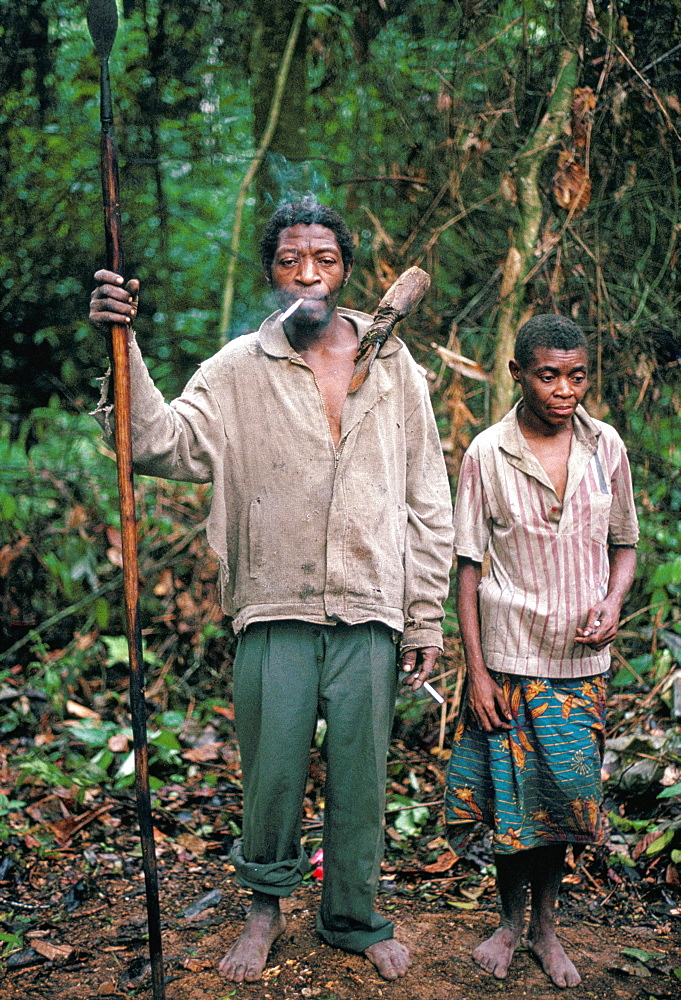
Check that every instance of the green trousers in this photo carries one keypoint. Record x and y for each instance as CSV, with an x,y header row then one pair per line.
x,y
285,674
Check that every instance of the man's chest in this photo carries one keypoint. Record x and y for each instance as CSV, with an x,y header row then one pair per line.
x,y
553,457
526,504
277,420
332,375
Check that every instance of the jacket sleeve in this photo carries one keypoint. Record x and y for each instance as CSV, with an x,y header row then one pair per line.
x,y
177,440
429,536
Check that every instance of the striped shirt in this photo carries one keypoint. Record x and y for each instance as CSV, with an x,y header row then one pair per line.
x,y
548,559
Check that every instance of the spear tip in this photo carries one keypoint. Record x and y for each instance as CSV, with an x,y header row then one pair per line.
x,y
102,20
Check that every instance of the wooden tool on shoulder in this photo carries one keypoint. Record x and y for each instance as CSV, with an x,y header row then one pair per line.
x,y
401,299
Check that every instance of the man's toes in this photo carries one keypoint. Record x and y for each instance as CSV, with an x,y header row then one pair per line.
x,y
566,978
391,958
232,968
485,961
401,960
237,974
498,969
252,974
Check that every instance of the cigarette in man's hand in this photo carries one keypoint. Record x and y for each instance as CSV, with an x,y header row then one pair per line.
x,y
597,623
291,309
433,693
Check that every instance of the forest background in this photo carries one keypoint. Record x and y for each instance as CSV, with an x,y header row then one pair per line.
x,y
525,154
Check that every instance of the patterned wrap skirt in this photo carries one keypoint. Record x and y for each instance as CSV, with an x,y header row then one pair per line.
x,y
538,783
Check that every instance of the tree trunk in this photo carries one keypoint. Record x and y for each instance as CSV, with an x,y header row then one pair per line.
x,y
520,258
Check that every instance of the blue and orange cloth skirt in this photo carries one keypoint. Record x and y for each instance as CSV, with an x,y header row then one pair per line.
x,y
538,783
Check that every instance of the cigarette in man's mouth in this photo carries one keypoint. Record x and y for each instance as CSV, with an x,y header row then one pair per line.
x,y
433,693
291,309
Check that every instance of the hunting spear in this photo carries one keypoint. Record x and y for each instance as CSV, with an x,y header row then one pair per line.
x,y
102,19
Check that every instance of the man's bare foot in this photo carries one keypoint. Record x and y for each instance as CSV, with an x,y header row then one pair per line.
x,y
550,954
246,959
494,955
390,958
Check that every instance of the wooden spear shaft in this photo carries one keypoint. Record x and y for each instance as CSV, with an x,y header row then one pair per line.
x,y
102,19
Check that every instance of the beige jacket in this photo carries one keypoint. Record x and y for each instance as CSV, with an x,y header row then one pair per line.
x,y
303,530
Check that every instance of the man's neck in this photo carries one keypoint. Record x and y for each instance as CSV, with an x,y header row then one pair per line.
x,y
532,428
331,356
550,446
307,336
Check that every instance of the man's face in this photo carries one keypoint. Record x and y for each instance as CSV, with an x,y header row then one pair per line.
x,y
553,384
308,264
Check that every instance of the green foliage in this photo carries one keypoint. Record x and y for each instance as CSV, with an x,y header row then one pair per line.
x,y
57,495
7,807
415,114
164,761
409,816
670,792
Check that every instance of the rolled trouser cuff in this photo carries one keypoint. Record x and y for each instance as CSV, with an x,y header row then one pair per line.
x,y
280,878
357,939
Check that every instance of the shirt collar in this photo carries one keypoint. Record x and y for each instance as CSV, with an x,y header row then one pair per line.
x,y
511,439
274,341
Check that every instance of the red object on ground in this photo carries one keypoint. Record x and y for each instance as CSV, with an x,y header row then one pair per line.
x,y
317,862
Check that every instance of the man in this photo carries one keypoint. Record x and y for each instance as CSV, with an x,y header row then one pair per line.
x,y
547,493
331,518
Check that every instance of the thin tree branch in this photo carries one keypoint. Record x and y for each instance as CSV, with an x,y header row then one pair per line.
x,y
401,178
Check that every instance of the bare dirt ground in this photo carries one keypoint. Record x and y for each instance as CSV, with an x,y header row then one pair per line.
x,y
73,914
88,940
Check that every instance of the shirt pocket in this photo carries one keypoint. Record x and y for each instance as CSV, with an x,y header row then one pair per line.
x,y
600,516
402,521
255,537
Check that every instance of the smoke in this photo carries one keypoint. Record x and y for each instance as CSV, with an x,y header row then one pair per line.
x,y
294,182
282,182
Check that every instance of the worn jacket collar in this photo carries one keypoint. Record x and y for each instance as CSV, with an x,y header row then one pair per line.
x,y
274,341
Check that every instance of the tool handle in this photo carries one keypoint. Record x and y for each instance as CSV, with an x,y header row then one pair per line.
x,y
403,296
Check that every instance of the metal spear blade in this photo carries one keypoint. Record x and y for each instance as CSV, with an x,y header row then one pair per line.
x,y
102,20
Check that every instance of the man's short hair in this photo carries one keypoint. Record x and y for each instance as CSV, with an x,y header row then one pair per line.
x,y
306,212
547,330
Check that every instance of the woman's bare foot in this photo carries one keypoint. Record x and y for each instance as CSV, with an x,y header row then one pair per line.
x,y
246,959
550,954
390,957
494,955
